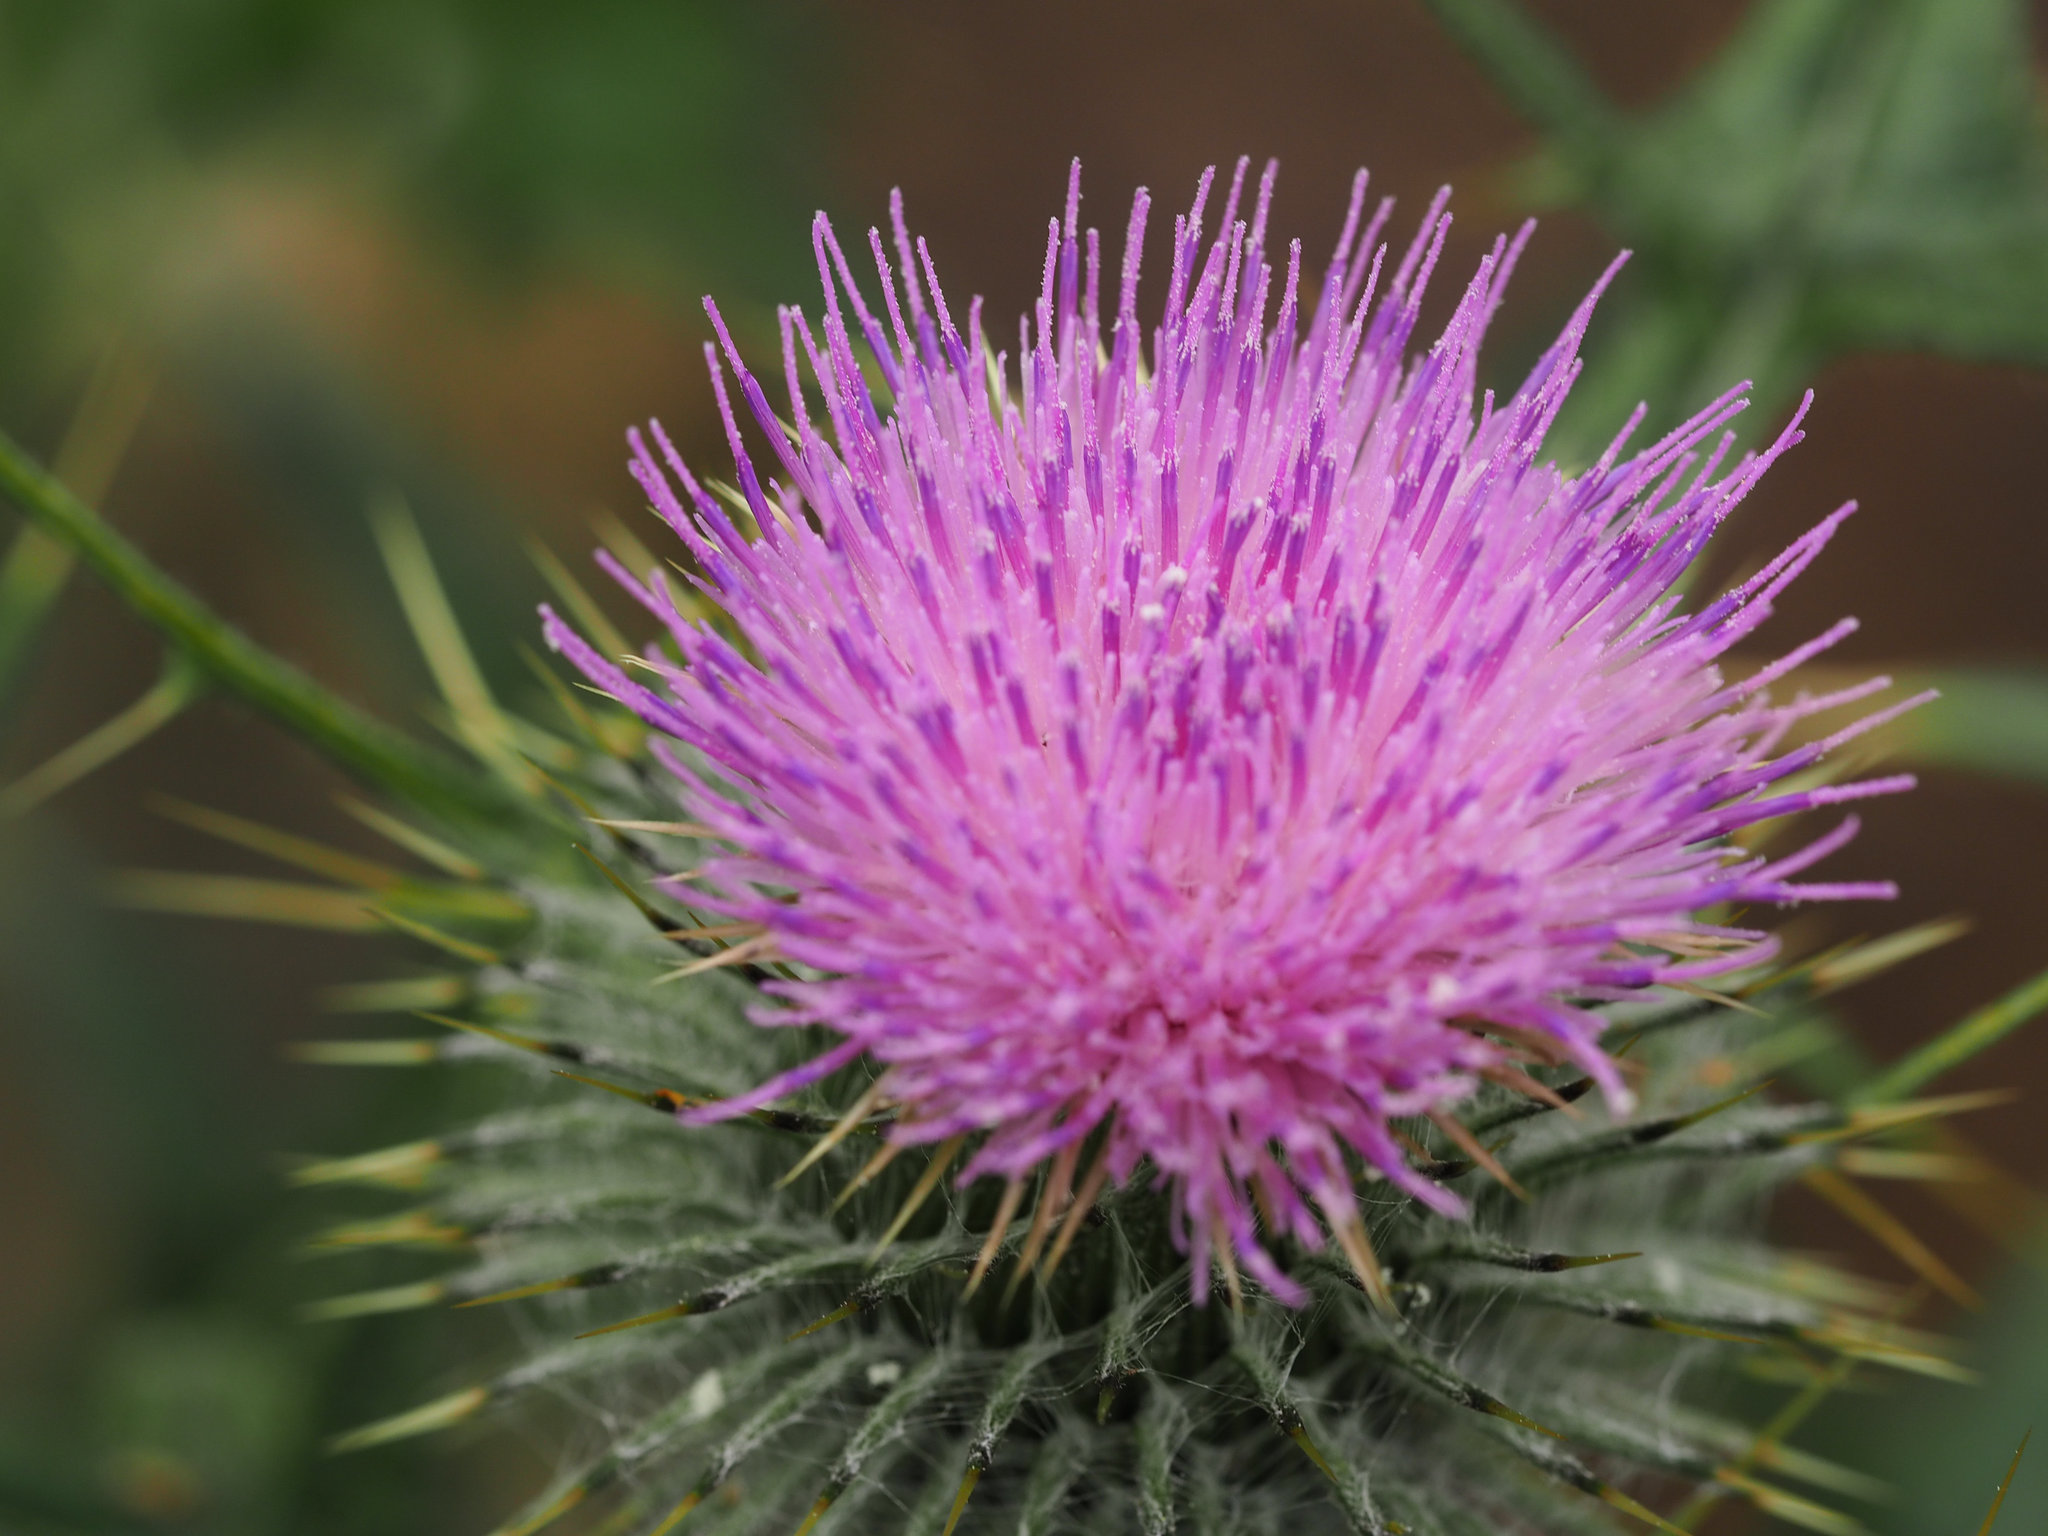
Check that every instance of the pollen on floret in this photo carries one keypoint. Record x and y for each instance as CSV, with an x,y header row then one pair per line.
x,y
1218,744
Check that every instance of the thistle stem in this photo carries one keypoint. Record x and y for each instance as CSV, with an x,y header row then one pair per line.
x,y
363,746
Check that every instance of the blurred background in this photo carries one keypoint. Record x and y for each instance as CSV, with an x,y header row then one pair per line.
x,y
262,261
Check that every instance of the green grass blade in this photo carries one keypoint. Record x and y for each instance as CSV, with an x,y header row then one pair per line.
x,y
1998,1503
479,723
1957,1044
38,564
179,685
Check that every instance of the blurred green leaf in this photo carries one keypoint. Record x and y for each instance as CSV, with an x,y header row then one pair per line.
x,y
1533,69
1846,175
528,131
1987,720
204,1414
1944,1446
655,151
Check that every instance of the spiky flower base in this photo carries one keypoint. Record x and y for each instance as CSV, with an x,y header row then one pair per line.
x,y
752,1351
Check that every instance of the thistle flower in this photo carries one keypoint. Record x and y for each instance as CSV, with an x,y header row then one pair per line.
x,y
1207,769
1228,746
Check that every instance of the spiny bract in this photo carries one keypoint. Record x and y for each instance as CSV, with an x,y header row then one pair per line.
x,y
1406,767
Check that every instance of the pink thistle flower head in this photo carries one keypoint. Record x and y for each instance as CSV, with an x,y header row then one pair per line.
x,y
1229,744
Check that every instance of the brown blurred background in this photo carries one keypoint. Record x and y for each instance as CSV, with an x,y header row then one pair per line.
x,y
453,250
